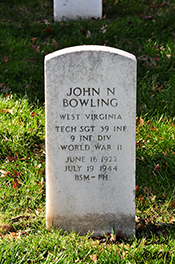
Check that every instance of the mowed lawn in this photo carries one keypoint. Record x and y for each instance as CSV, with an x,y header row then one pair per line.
x,y
28,33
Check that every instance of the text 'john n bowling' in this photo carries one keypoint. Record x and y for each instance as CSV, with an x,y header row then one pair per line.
x,y
79,97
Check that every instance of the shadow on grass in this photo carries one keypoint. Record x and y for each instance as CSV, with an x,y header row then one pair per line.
x,y
148,228
140,28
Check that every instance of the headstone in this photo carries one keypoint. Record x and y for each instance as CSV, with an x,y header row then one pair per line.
x,y
76,9
90,94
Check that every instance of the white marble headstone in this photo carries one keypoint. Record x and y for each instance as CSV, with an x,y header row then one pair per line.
x,y
76,9
90,94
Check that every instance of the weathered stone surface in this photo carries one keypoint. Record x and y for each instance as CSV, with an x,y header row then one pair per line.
x,y
76,9
90,94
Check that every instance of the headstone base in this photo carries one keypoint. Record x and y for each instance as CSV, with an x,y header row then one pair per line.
x,y
94,223
77,9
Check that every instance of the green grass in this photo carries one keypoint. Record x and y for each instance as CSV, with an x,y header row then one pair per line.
x,y
144,28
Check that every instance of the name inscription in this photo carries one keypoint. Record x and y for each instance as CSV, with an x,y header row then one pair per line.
x,y
77,95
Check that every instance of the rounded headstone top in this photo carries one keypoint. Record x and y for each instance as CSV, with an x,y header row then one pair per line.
x,y
87,48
